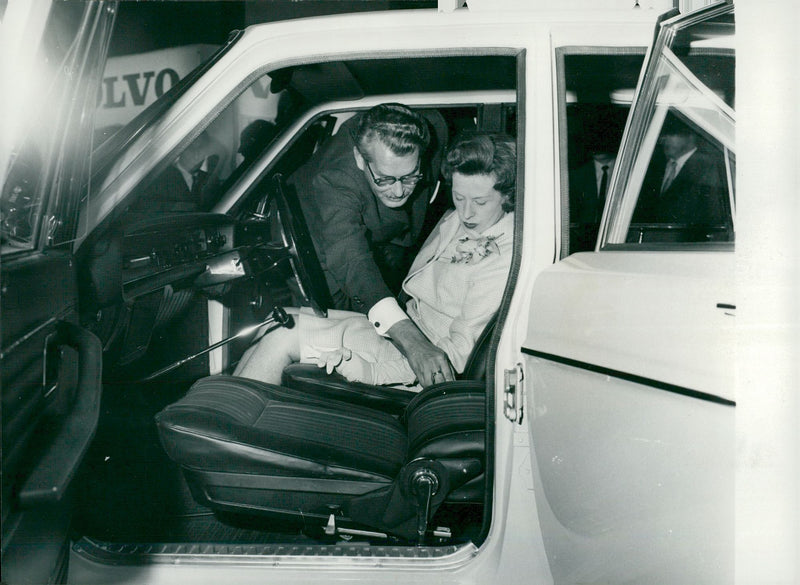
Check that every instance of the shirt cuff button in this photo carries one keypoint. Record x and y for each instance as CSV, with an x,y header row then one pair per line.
x,y
376,324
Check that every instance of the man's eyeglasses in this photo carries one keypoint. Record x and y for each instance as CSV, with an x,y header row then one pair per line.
x,y
386,181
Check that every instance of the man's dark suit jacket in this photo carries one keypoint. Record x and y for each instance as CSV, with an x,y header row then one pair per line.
x,y
694,198
170,193
355,235
585,207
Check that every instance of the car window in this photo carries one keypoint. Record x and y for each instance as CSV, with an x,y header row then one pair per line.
x,y
220,153
198,175
46,172
677,187
595,89
685,195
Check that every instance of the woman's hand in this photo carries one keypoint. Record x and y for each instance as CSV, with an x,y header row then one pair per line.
x,y
350,365
332,358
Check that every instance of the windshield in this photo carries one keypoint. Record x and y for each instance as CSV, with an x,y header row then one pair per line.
x,y
146,95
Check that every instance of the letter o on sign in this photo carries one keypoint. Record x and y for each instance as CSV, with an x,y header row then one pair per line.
x,y
161,78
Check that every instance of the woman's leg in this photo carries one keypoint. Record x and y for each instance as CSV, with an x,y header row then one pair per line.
x,y
266,360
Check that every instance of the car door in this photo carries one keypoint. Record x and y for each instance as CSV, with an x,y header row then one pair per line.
x,y
51,367
628,354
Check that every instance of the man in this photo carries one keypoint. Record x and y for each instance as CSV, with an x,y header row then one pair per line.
x,y
364,195
686,187
200,167
588,186
588,183
190,184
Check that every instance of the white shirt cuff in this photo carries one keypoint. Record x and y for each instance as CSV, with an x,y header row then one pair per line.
x,y
385,313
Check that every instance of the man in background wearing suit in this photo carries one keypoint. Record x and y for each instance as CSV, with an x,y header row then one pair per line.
x,y
685,187
190,184
588,183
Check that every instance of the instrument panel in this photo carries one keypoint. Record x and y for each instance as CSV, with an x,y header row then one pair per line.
x,y
171,249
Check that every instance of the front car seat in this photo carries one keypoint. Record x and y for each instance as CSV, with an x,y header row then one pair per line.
x,y
255,448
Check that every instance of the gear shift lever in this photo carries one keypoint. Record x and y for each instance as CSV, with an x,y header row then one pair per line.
x,y
277,318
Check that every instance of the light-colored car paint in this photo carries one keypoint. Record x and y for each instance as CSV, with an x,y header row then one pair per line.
x,y
627,463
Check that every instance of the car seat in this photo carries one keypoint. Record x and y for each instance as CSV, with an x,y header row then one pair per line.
x,y
345,457
255,448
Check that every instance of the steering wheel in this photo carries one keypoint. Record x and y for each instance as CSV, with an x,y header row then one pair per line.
x,y
298,244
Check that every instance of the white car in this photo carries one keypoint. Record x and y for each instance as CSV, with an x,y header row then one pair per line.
x,y
602,450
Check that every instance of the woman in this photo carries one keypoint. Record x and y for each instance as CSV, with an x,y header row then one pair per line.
x,y
454,286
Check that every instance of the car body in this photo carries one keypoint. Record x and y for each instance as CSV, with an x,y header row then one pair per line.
x,y
610,436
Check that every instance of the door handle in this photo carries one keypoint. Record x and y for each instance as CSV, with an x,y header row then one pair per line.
x,y
727,308
48,389
49,480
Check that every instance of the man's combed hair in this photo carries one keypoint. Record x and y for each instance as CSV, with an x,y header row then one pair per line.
x,y
485,154
403,131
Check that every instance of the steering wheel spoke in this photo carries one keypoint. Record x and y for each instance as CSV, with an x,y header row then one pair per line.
x,y
299,249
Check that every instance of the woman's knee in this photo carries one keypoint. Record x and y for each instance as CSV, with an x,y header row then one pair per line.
x,y
283,342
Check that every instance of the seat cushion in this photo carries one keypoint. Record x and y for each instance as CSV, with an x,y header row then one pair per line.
x,y
236,425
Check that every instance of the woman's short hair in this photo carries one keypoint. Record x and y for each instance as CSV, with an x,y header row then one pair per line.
x,y
402,130
485,154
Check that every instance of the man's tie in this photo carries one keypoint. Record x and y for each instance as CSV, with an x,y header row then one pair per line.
x,y
669,175
199,178
601,192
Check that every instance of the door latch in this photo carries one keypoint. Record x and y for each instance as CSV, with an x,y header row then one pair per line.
x,y
513,395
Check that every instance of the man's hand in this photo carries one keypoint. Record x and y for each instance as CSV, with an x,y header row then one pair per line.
x,y
428,362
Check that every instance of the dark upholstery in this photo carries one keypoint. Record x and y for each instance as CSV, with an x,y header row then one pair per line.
x,y
251,447
243,426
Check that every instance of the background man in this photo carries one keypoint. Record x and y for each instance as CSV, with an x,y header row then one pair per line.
x,y
685,187
588,183
190,184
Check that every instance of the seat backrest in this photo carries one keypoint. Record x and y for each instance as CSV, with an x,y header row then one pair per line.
x,y
475,369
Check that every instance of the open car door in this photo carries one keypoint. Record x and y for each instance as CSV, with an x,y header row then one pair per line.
x,y
51,367
629,349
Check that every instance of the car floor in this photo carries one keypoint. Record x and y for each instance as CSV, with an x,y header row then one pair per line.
x,y
128,490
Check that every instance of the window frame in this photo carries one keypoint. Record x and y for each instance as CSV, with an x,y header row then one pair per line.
x,y
561,55
641,138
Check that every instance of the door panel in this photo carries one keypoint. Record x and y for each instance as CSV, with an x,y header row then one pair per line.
x,y
629,363
50,402
50,365
38,292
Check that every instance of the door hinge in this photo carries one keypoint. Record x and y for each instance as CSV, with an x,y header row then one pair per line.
x,y
513,394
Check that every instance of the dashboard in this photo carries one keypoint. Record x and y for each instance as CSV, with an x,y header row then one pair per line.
x,y
174,249
144,273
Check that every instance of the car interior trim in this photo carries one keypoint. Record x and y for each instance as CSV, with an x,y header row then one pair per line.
x,y
167,553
